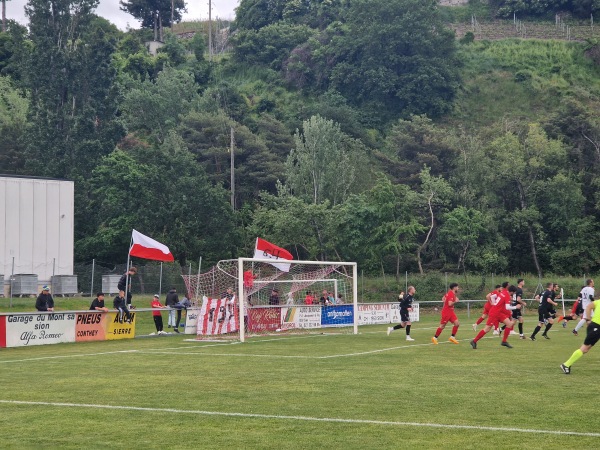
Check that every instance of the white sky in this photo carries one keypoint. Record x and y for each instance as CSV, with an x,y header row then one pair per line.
x,y
109,9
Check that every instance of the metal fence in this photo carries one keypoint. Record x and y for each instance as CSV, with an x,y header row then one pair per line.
x,y
151,278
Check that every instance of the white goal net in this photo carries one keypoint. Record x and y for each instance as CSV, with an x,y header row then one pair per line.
x,y
311,296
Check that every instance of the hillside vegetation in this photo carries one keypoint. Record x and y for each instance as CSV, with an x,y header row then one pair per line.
x,y
362,132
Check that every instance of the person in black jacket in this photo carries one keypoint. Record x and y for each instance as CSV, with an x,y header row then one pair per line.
x,y
172,300
122,285
45,302
405,309
98,303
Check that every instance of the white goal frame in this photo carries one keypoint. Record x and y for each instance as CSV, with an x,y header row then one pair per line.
x,y
241,298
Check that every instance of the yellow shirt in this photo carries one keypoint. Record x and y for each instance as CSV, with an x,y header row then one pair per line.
x,y
596,316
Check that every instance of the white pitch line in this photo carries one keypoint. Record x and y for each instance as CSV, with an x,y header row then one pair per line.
x,y
308,419
41,358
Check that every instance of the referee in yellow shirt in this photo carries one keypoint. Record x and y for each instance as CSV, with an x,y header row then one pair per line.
x,y
593,336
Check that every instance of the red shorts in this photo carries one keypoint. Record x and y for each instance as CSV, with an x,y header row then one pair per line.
x,y
486,308
493,319
448,316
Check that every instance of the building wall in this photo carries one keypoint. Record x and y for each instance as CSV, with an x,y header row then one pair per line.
x,y
36,227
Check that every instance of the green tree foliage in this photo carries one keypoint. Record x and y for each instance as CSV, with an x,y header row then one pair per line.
x,y
380,222
310,230
270,45
415,143
13,126
325,163
208,136
154,14
154,107
386,56
162,192
71,79
256,14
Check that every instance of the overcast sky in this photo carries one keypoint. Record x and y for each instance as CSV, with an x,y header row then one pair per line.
x,y
109,9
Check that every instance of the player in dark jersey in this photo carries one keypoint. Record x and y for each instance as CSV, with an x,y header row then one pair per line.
x,y
517,299
545,309
405,309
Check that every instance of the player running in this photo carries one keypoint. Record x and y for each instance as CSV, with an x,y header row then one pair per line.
x,y
491,300
501,312
545,312
405,309
587,297
517,299
448,315
593,336
576,311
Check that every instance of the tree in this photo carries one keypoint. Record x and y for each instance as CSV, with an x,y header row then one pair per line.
x,y
162,190
325,163
69,72
520,169
13,126
461,230
155,14
155,107
388,56
434,197
257,169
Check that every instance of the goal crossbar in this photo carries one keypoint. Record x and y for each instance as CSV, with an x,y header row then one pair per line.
x,y
241,294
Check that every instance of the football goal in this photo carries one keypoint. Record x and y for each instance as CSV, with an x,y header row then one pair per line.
x,y
309,296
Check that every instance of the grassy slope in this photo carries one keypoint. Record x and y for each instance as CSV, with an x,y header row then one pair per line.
x,y
523,80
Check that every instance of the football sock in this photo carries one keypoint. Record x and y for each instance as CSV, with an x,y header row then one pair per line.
x,y
408,330
520,328
574,357
438,332
479,335
503,327
580,324
547,328
399,326
538,328
507,331
561,318
454,330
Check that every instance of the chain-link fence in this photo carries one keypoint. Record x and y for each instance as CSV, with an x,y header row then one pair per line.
x,y
151,278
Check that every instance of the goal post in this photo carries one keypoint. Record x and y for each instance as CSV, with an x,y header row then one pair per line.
x,y
296,277
241,297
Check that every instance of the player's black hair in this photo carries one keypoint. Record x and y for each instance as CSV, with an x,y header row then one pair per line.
x,y
453,285
519,280
505,284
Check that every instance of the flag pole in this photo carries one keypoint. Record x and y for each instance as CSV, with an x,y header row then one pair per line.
x,y
127,268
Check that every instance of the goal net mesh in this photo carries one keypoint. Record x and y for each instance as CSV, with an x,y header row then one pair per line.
x,y
310,296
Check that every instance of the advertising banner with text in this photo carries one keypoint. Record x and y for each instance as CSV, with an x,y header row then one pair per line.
x,y
261,320
90,326
337,316
301,317
217,316
116,328
38,329
373,314
395,313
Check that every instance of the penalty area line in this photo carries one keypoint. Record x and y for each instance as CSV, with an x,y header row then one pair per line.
x,y
308,418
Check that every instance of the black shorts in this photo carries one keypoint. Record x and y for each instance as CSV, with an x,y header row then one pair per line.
x,y
516,313
579,309
593,334
404,316
543,314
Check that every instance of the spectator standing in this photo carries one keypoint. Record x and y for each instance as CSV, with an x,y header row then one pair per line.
x,y
175,314
309,299
44,302
156,315
274,298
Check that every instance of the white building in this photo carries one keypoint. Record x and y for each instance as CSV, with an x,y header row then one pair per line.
x,y
36,227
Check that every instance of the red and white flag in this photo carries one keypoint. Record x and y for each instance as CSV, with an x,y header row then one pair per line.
x,y
266,250
145,247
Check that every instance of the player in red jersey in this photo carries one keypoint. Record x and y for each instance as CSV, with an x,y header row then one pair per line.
x,y
500,312
576,311
491,300
448,314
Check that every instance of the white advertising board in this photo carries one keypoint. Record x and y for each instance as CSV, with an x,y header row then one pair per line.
x,y
39,329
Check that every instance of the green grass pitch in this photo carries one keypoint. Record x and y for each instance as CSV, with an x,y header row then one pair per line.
x,y
301,392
